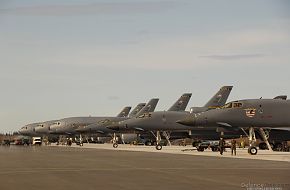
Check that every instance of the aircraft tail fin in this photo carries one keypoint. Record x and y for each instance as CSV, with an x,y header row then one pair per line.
x,y
220,98
281,97
125,111
136,109
149,107
181,103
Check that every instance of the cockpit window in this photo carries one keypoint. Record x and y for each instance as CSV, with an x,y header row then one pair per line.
x,y
228,105
237,104
142,116
145,115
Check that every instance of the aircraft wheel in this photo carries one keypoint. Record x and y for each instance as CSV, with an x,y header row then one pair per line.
x,y
115,145
158,147
253,150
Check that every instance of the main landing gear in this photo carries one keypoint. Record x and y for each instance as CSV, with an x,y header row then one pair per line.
x,y
252,138
158,139
81,140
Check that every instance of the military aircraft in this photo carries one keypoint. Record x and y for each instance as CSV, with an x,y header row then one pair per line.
x,y
44,128
67,126
40,128
103,126
164,121
251,113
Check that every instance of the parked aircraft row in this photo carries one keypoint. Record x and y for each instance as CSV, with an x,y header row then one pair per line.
x,y
215,115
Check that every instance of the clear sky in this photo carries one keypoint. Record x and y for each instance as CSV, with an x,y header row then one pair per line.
x,y
63,58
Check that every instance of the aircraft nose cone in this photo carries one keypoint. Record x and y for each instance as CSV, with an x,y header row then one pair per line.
x,y
189,121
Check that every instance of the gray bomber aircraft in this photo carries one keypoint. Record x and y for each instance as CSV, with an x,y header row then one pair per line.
x,y
44,128
164,121
103,126
68,126
252,113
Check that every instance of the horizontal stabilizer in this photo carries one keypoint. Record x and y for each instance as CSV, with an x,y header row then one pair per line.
x,y
99,131
138,129
222,124
283,129
281,97
227,127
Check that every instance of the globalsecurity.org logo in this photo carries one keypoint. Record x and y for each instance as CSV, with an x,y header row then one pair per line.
x,y
264,186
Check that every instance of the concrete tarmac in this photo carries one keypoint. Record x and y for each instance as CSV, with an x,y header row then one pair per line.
x,y
189,150
50,167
